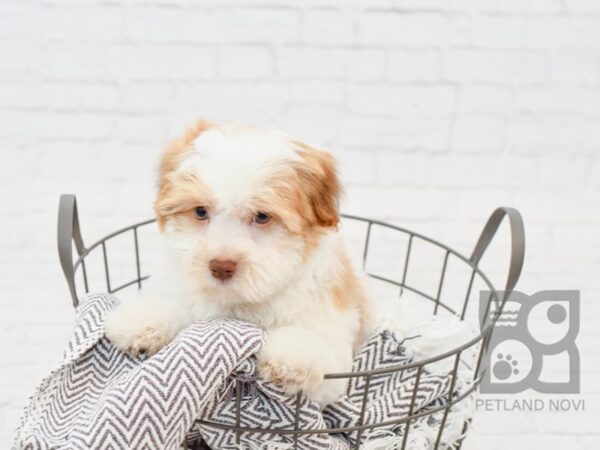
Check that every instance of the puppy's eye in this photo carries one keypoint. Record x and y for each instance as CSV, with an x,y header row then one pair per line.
x,y
261,218
201,213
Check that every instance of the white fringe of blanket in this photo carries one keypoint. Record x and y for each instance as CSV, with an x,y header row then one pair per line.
x,y
430,335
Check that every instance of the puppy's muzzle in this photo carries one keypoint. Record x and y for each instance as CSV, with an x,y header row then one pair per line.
x,y
222,269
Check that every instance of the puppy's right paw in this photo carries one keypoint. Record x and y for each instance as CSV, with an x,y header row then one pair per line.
x,y
297,358
137,329
291,373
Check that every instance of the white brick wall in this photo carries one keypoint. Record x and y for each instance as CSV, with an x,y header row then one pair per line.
x,y
438,110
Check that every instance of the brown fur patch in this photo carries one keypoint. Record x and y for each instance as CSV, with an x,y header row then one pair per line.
x,y
178,148
274,196
349,293
320,186
178,192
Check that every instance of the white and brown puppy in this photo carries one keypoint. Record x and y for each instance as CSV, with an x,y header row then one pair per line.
x,y
248,219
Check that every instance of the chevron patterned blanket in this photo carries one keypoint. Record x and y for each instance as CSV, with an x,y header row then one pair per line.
x,y
101,398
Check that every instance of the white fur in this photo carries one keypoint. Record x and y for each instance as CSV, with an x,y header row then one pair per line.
x,y
276,286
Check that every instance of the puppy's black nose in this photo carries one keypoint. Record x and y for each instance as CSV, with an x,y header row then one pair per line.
x,y
222,269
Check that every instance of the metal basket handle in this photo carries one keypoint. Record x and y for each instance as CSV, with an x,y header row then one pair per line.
x,y
69,232
517,252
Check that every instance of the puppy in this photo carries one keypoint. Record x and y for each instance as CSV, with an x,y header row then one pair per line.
x,y
248,219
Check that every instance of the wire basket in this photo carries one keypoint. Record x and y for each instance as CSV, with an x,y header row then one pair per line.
x,y
74,261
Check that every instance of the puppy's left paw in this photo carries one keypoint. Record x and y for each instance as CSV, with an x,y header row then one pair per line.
x,y
291,372
140,328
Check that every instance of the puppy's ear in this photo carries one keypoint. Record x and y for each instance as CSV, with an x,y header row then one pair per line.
x,y
320,184
173,155
178,149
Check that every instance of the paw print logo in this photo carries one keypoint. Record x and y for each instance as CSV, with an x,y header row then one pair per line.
x,y
529,331
510,363
505,367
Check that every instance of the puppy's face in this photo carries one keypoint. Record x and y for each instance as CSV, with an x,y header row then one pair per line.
x,y
243,208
